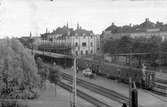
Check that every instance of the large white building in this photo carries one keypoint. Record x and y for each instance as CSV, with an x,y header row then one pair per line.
x,y
83,42
85,45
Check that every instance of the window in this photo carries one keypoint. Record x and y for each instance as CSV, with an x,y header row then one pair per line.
x,y
86,52
51,39
91,51
91,44
81,52
76,44
84,44
76,52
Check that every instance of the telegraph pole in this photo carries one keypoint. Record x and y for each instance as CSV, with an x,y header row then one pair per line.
x,y
31,41
74,103
133,94
130,88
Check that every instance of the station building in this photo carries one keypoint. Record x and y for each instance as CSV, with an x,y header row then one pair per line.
x,y
82,42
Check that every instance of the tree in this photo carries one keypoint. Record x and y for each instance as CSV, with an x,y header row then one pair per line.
x,y
18,71
54,75
110,46
27,41
124,45
42,71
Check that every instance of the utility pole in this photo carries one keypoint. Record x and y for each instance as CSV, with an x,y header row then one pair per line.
x,y
130,88
133,94
74,103
31,41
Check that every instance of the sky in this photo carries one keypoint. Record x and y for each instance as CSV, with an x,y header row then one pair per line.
x,y
20,17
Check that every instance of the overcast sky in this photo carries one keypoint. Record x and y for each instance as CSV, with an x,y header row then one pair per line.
x,y
19,17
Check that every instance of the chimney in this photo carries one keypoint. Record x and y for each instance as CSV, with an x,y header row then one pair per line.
x,y
30,34
67,25
77,25
46,30
147,19
130,24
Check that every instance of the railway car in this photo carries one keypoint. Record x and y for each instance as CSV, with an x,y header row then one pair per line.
x,y
119,72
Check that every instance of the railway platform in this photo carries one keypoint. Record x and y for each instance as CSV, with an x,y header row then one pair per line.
x,y
145,98
62,99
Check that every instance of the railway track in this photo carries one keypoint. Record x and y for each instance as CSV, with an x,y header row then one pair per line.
x,y
161,81
160,89
99,89
85,96
162,86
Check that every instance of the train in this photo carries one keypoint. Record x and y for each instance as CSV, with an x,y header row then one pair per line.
x,y
143,78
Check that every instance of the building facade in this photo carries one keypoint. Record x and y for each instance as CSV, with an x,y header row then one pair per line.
x,y
85,45
81,41
150,33
147,34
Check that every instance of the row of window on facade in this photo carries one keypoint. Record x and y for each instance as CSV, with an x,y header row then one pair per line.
x,y
83,34
83,44
86,52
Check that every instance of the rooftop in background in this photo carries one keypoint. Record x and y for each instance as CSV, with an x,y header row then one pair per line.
x,y
146,26
66,31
